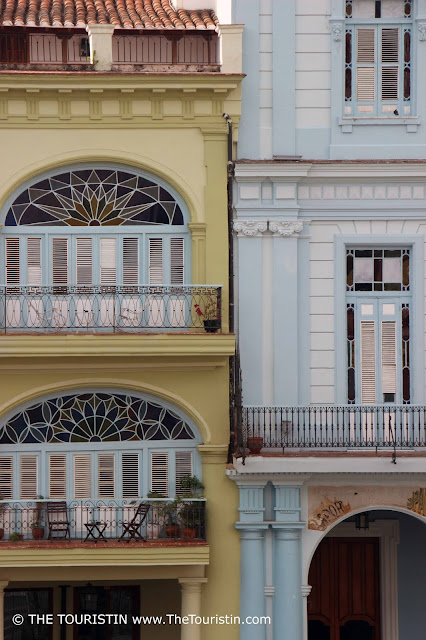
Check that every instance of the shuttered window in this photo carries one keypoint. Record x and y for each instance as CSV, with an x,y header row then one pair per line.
x,y
183,468
34,275
130,475
389,358
84,261
368,362
28,477
12,261
108,261
106,475
57,475
378,65
60,261
130,261
6,477
155,261
177,261
82,476
160,472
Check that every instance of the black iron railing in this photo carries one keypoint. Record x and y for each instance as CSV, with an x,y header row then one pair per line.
x,y
346,427
102,520
61,308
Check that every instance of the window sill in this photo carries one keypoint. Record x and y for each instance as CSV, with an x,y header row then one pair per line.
x,y
410,122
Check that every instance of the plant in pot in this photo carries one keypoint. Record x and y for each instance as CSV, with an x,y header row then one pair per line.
x,y
15,536
255,444
211,315
37,525
191,486
155,517
3,507
169,513
190,515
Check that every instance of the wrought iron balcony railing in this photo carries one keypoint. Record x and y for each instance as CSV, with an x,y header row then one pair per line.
x,y
63,308
103,520
345,427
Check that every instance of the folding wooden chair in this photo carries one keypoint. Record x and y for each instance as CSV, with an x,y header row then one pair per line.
x,y
57,519
132,528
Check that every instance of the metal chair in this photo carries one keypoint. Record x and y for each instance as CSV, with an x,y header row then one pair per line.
x,y
57,519
132,528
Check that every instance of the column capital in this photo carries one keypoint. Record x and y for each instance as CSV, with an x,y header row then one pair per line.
x,y
252,530
199,228
288,530
192,584
213,453
306,590
285,228
250,228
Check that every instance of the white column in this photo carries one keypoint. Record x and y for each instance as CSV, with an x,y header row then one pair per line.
x,y
100,38
3,585
190,605
306,590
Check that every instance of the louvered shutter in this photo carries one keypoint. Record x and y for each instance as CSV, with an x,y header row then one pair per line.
x,y
176,261
183,468
366,75
160,472
84,261
60,261
130,261
155,261
34,261
82,475
12,261
106,479
108,261
28,477
389,357
6,477
390,74
130,475
57,475
368,362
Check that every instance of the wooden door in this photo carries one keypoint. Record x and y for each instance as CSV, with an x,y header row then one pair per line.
x,y
344,603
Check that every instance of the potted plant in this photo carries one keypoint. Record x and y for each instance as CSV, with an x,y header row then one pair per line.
x,y
155,518
15,536
169,512
192,486
190,517
37,525
211,315
255,444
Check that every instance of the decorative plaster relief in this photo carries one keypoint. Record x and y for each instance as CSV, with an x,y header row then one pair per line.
x,y
357,498
337,29
285,228
328,512
421,26
250,228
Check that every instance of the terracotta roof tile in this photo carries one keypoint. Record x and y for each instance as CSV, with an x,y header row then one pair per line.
x,y
124,14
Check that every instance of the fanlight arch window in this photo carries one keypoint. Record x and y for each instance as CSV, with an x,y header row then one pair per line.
x,y
96,225
96,445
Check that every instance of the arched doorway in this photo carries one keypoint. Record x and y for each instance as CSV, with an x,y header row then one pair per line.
x,y
366,577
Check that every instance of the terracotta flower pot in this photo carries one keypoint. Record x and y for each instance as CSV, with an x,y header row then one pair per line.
x,y
172,530
1,534
38,533
255,444
189,533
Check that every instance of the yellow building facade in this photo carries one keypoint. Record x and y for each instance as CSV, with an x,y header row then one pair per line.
x,y
113,386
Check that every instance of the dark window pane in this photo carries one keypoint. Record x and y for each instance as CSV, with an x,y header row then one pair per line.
x,y
363,253
348,53
378,270
378,13
406,270
407,9
351,324
378,253
392,253
318,630
349,270
348,84
388,397
364,286
351,386
405,323
392,286
406,385
378,286
349,8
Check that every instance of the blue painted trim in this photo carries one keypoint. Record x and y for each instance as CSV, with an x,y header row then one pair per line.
x,y
416,242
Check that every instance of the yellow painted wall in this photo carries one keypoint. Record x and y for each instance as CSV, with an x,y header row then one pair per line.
x,y
177,132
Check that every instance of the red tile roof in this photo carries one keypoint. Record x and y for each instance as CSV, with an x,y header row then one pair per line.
x,y
123,14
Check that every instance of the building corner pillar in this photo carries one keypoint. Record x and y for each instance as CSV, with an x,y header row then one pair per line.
x,y
191,606
3,585
252,588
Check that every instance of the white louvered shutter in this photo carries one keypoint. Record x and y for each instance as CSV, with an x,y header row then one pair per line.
x,y
130,261
389,357
155,261
6,477
82,475
390,73
28,477
176,261
130,475
368,362
160,472
34,261
106,475
365,74
183,468
12,261
57,475
60,261
108,261
84,261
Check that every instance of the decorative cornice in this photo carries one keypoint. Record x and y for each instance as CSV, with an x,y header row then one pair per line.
x,y
213,453
250,228
285,228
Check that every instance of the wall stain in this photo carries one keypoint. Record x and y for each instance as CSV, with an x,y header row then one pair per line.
x,y
328,512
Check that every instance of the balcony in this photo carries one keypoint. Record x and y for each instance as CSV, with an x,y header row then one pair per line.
x,y
351,427
102,522
110,309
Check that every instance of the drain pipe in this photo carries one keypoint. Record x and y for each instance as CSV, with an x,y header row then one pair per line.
x,y
230,173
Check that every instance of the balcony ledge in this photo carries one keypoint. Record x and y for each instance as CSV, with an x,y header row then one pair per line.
x,y
146,345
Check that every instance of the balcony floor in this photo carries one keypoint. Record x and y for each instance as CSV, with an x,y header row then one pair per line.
x,y
110,544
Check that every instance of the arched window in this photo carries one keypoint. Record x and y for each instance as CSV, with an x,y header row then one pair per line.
x,y
96,444
95,225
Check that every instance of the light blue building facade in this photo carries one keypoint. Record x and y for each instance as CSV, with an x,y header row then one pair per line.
x,y
329,233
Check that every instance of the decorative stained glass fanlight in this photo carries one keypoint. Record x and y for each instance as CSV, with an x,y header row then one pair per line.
x,y
94,417
94,197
